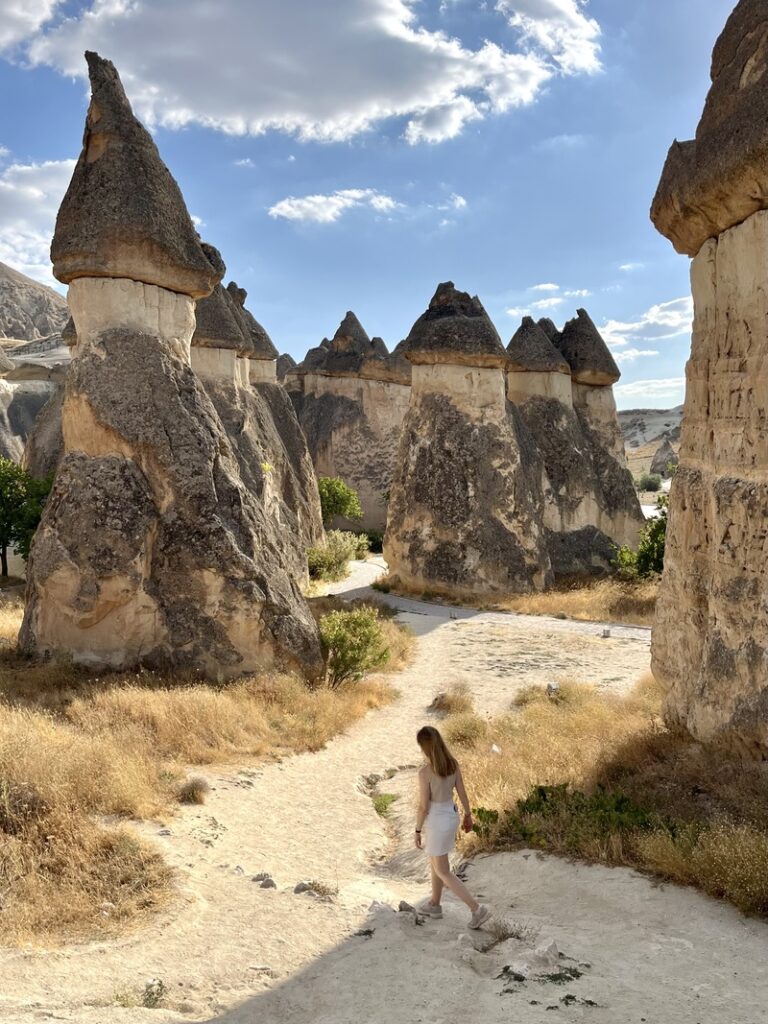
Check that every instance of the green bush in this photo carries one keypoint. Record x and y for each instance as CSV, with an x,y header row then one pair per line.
x,y
649,482
353,644
21,506
648,560
328,561
338,499
362,545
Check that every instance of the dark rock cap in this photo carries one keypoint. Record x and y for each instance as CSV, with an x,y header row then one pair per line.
x,y
454,329
550,329
123,214
68,333
351,353
217,325
589,357
285,363
257,343
718,180
531,350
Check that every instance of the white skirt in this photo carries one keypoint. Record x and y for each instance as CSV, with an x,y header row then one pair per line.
x,y
442,824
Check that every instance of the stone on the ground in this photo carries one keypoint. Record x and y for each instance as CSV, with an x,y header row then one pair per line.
x,y
150,550
710,640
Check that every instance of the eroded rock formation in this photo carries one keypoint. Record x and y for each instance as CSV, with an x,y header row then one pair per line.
x,y
664,459
351,396
465,514
150,549
28,310
710,640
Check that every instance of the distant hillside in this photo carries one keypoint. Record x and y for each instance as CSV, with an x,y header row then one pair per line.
x,y
28,310
642,426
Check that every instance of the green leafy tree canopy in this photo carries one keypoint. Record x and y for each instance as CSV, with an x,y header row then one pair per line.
x,y
21,505
338,499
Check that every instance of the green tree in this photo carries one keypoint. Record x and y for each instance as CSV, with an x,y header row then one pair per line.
x,y
338,499
21,504
649,482
648,560
353,644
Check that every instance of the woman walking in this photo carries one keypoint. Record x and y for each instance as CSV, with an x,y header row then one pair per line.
x,y
439,777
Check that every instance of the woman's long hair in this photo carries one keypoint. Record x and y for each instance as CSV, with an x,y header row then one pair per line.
x,y
436,752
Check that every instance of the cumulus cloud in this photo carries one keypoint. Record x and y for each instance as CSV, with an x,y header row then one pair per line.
x,y
556,143
578,293
548,303
544,288
320,77
558,27
326,209
22,18
245,162
629,268
631,355
30,195
516,311
457,202
661,322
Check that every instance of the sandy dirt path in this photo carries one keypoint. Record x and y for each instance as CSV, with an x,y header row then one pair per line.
x,y
232,952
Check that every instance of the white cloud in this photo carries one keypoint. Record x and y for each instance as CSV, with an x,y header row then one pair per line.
x,y
516,312
661,322
321,76
245,162
631,355
326,209
628,268
548,303
578,293
457,202
558,27
544,288
672,389
22,18
556,143
30,195
197,221
4,153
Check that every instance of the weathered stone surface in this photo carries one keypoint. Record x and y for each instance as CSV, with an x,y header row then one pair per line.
x,y
550,329
44,444
123,215
720,179
351,353
151,550
454,329
664,457
587,353
710,639
258,344
216,324
285,363
531,350
28,310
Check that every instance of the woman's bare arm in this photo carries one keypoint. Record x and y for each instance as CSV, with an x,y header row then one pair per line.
x,y
423,800
462,791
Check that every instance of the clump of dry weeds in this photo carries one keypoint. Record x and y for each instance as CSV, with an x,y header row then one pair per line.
x,y
457,700
598,776
609,600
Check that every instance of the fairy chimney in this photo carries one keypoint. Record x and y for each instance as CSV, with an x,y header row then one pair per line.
x,y
535,367
465,515
710,639
150,549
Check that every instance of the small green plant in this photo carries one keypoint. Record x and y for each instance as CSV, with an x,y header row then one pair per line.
x,y
363,546
382,803
485,821
353,643
648,560
267,468
338,499
328,561
648,482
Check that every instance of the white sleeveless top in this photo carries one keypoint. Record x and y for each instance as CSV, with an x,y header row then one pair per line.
x,y
441,789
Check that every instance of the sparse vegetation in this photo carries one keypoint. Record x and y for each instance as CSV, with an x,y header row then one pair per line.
x,y
465,729
648,482
455,701
194,790
338,499
597,776
629,601
382,803
323,890
329,560
73,748
21,505
648,561
353,643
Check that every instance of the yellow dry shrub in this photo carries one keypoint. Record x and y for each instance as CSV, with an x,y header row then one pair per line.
x,y
608,600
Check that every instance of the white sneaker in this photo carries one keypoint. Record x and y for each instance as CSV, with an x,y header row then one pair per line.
x,y
480,916
428,909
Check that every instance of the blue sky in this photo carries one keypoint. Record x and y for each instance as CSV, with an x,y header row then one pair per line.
x,y
351,155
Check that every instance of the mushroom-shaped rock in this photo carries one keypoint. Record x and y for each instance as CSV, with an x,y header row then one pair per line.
x,y
285,363
550,329
454,329
351,335
530,350
721,178
587,353
107,226
258,344
216,322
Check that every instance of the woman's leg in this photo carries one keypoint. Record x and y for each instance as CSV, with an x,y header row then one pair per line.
x,y
442,868
437,885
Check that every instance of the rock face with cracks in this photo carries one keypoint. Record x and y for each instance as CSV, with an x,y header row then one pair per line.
x,y
151,550
710,640
465,513
351,396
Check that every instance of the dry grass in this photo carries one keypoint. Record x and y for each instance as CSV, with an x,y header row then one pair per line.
x,y
608,600
457,700
74,749
623,791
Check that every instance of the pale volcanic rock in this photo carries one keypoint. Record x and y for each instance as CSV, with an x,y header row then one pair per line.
x,y
664,457
285,363
351,396
720,178
536,367
150,550
123,215
710,640
466,509
28,310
